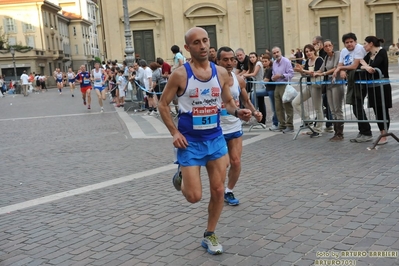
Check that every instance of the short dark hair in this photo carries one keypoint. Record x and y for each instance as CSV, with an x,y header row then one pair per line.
x,y
318,38
268,57
349,35
143,63
212,48
223,49
154,66
175,49
160,61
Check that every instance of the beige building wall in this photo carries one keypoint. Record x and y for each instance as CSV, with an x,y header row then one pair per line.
x,y
30,30
170,19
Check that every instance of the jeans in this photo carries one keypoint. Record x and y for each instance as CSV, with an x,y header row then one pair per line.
x,y
260,103
335,97
328,114
273,106
358,110
313,91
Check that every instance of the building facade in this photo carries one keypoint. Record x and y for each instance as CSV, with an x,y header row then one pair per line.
x,y
60,34
70,33
254,25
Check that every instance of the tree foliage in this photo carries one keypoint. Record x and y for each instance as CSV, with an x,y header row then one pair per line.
x,y
3,38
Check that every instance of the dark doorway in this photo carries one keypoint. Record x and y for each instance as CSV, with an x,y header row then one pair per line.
x,y
383,28
212,35
329,30
268,22
144,45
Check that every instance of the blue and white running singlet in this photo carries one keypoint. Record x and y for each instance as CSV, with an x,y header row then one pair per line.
x,y
58,77
71,77
199,107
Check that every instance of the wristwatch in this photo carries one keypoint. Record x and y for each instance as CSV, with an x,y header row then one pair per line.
x,y
282,76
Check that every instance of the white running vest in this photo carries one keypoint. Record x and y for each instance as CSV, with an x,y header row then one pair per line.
x,y
98,78
199,107
230,123
71,75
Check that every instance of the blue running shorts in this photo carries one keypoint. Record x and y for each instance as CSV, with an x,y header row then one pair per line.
x,y
199,153
233,135
99,88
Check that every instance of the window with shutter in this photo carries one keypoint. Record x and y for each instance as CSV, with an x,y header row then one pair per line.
x,y
12,41
9,25
30,41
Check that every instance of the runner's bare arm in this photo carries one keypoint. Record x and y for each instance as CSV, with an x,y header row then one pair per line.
x,y
244,114
172,88
246,101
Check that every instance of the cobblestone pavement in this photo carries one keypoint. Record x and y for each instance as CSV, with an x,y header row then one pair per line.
x,y
83,188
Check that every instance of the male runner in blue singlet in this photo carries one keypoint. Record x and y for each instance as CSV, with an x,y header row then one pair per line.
x,y
200,86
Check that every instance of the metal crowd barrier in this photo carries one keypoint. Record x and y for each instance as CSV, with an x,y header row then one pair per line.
x,y
139,90
361,86
361,83
252,94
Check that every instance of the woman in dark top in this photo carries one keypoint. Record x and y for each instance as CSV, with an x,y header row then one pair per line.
x,y
377,57
267,76
312,64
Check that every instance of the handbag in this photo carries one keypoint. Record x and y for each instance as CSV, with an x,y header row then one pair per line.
x,y
129,86
289,94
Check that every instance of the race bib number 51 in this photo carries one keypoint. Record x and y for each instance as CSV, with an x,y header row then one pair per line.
x,y
205,117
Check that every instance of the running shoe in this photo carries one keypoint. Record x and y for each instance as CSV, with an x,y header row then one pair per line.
x,y
73,95
102,110
88,107
230,199
211,244
84,102
177,178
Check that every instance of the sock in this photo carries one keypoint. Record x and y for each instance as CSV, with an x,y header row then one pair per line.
x,y
227,190
175,155
155,109
207,233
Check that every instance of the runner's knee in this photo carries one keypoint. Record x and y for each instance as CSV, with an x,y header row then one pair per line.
x,y
193,196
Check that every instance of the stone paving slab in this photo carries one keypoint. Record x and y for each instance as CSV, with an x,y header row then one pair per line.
x,y
289,212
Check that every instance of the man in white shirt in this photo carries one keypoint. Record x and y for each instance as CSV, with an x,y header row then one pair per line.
x,y
349,60
25,83
147,80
